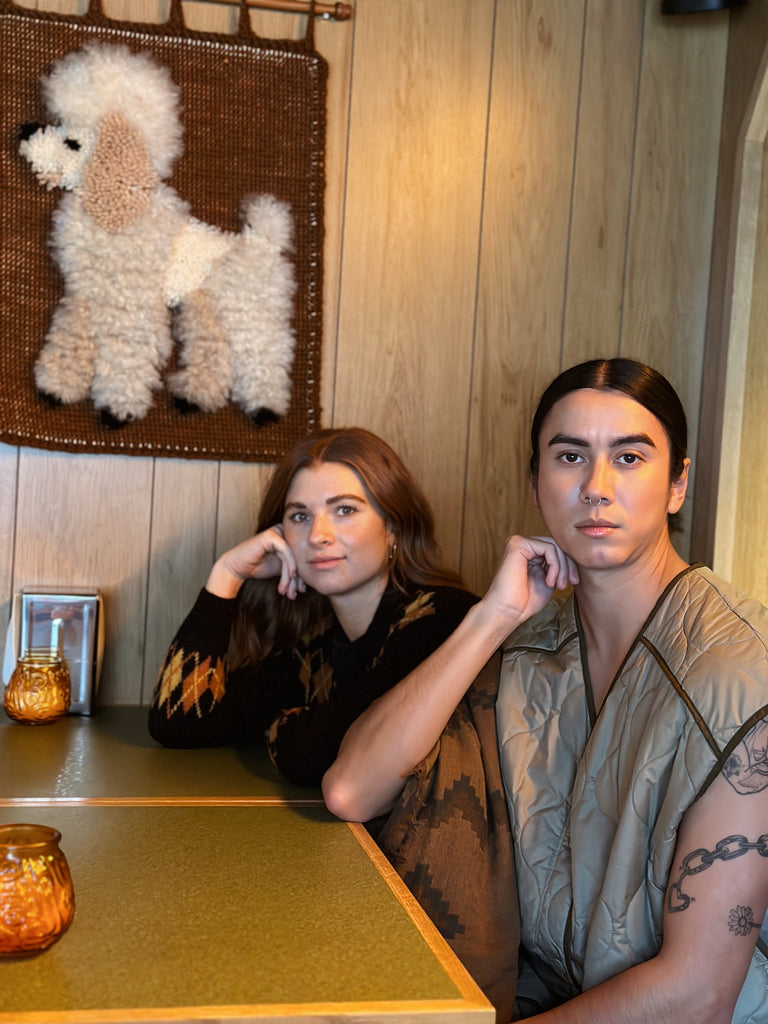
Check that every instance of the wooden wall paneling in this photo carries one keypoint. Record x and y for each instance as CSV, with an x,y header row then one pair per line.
x,y
412,218
9,461
749,570
147,11
602,179
736,514
671,225
241,490
207,17
86,522
537,55
182,545
57,6
334,41
747,34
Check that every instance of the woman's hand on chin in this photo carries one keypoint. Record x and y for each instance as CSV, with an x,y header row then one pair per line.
x,y
263,556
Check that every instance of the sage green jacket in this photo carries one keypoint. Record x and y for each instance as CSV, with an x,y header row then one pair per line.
x,y
596,800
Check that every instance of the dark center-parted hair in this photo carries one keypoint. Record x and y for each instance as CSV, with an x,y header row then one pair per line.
x,y
268,621
636,380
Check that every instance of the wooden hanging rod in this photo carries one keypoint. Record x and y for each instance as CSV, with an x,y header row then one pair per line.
x,y
338,12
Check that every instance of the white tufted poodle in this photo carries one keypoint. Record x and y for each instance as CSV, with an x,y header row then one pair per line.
x,y
134,261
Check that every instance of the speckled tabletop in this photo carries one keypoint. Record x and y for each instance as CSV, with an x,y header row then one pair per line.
x,y
207,889
111,754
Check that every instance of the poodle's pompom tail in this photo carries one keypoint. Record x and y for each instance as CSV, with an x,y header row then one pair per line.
x,y
270,219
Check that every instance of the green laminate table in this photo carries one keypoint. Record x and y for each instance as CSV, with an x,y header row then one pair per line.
x,y
209,890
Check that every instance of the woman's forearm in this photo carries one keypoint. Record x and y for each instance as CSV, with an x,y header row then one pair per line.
x,y
400,728
398,731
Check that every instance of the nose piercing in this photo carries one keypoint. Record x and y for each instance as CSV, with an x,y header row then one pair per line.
x,y
590,502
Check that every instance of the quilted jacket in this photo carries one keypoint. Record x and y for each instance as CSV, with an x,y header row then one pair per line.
x,y
596,800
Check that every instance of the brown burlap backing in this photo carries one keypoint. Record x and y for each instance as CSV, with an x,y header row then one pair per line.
x,y
254,122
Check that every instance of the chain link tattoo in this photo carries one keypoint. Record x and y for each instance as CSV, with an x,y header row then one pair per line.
x,y
699,860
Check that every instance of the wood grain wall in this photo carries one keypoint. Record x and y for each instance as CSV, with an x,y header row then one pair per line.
x,y
513,186
731,493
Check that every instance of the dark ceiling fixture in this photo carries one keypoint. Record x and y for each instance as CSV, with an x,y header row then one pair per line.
x,y
697,6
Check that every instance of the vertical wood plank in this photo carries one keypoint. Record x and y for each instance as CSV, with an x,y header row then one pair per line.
x,y
241,489
86,523
184,503
334,41
537,54
749,569
147,11
675,175
747,34
602,179
57,6
9,462
413,195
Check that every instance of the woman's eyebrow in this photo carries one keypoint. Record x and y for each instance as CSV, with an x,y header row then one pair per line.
x,y
616,442
329,501
345,497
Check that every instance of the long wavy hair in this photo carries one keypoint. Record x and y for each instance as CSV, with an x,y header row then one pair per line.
x,y
267,621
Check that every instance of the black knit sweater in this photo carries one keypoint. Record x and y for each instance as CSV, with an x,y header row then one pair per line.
x,y
300,701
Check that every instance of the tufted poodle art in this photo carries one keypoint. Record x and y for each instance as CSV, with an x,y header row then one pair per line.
x,y
139,271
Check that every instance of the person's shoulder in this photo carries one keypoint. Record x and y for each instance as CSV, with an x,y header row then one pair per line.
x,y
712,613
554,626
708,633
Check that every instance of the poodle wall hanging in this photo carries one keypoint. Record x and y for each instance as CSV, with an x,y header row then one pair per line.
x,y
133,259
164,288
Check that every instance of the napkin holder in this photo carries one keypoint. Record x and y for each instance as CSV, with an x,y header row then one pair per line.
x,y
70,617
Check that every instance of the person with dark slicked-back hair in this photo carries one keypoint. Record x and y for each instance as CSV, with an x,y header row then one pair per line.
x,y
632,725
338,596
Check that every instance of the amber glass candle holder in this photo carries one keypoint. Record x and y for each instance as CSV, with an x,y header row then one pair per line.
x,y
37,899
39,689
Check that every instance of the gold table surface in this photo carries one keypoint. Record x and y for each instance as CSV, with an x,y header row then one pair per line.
x,y
207,889
111,754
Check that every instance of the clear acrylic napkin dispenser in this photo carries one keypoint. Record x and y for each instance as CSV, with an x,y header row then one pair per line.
x,y
72,618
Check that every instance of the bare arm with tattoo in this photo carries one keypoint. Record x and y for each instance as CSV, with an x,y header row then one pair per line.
x,y
716,901
747,767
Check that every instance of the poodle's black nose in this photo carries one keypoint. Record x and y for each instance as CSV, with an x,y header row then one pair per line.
x,y
28,129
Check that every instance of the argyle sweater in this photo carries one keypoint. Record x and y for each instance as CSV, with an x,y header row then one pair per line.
x,y
300,701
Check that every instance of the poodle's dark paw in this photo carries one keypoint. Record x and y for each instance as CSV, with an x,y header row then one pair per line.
x,y
263,416
110,422
181,405
50,400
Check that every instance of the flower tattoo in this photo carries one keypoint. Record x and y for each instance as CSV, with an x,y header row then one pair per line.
x,y
741,921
